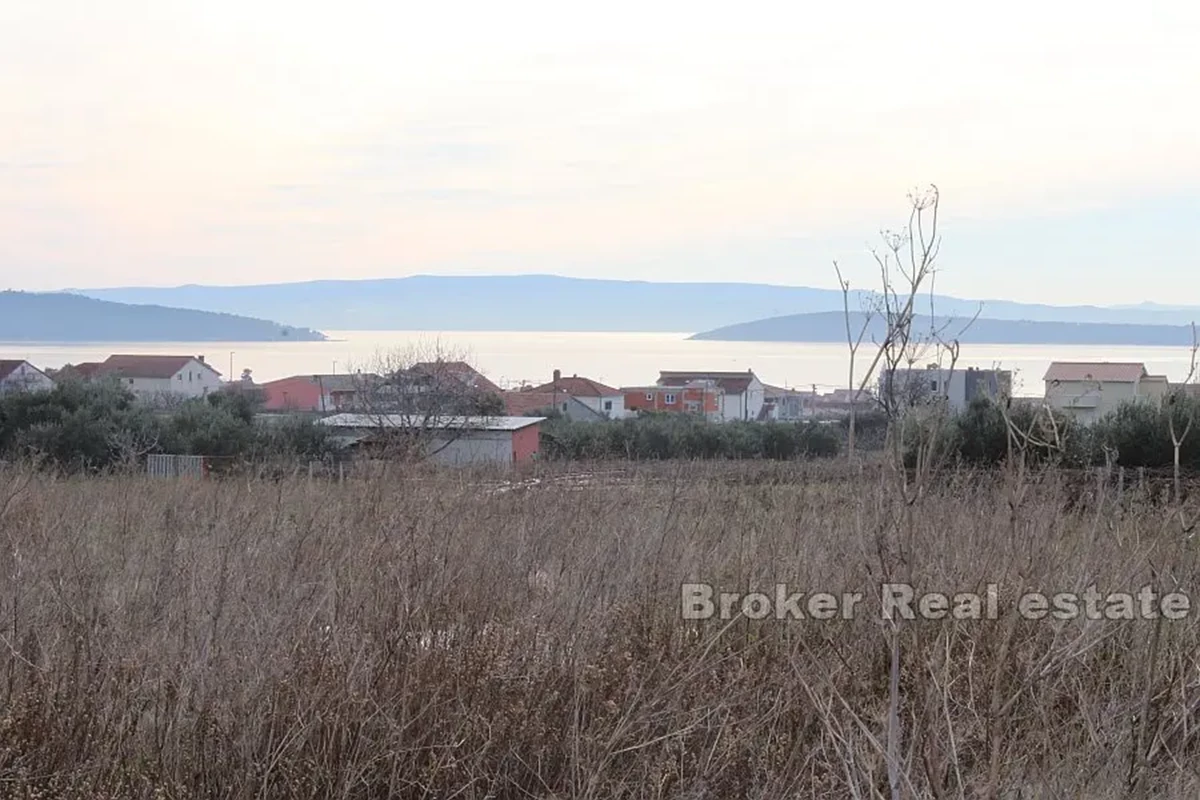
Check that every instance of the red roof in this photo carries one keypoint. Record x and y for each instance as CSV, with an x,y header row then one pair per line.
x,y
578,387
730,382
460,371
86,369
135,366
8,367
1108,371
517,404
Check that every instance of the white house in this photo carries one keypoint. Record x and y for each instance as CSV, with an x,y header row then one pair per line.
x,y
788,404
743,394
959,386
604,400
1089,390
160,376
21,376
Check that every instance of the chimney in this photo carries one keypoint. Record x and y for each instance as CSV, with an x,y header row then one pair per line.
x,y
557,375
200,359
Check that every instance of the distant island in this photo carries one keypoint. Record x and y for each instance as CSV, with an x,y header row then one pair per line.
x,y
830,326
556,303
60,317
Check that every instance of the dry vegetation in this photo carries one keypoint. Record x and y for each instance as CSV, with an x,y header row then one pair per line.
x,y
422,634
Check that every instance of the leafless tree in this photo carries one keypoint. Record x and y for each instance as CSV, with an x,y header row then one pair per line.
x,y
853,342
417,401
1180,403
130,448
907,268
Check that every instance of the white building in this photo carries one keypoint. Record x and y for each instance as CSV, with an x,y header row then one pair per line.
x,y
788,405
959,386
743,393
21,376
151,377
1088,390
604,400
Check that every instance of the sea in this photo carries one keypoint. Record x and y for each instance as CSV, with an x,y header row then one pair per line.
x,y
510,358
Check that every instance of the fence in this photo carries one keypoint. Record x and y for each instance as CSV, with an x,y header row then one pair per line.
x,y
172,466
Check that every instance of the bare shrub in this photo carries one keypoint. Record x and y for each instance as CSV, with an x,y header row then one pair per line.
x,y
429,635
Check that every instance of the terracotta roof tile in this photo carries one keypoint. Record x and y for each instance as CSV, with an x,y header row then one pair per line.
x,y
8,367
518,404
1108,371
579,387
730,382
140,366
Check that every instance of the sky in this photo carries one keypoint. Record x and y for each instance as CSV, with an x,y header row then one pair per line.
x,y
160,142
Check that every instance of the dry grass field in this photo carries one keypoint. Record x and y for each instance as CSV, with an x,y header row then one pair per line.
x,y
426,635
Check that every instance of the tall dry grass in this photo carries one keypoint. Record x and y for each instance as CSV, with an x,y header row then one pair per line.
x,y
425,635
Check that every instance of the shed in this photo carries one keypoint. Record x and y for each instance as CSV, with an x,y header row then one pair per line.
x,y
446,440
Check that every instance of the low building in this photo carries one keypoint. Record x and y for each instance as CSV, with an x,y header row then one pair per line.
x,y
21,376
155,376
837,404
742,393
456,441
602,399
787,405
694,397
317,393
957,387
1089,390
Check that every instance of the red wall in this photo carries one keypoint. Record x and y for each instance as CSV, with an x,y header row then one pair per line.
x,y
292,394
636,400
525,443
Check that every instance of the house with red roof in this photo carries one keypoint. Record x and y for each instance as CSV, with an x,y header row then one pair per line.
x,y
692,397
600,398
21,376
149,376
1088,390
529,402
319,393
742,393
456,375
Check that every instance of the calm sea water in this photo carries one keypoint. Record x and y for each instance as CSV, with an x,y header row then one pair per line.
x,y
615,358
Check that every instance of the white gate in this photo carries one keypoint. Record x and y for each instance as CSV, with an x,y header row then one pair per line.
x,y
171,466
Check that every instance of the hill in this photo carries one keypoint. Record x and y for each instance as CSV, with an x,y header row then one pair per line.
x,y
831,327
548,302
58,317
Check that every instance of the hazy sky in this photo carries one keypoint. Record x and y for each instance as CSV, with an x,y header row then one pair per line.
x,y
213,141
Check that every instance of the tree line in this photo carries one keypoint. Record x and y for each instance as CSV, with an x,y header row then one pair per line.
x,y
96,426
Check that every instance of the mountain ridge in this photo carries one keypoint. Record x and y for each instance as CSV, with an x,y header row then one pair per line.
x,y
830,326
554,302
65,317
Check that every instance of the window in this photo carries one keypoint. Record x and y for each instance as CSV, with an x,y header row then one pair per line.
x,y
131,381
608,405
180,377
669,399
650,396
933,385
564,406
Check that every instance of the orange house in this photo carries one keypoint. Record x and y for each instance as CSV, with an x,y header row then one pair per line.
x,y
699,397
